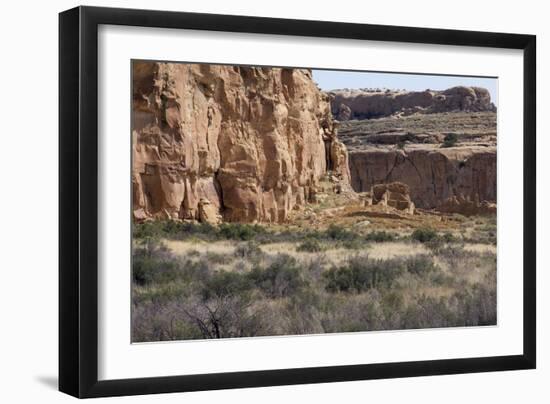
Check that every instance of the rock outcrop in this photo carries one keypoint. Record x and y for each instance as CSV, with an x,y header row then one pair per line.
x,y
433,174
243,143
393,194
374,103
441,174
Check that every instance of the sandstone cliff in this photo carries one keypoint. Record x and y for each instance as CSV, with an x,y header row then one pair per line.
x,y
246,144
459,178
432,174
374,103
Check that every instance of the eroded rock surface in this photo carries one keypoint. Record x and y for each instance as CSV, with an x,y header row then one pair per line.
x,y
393,194
432,174
374,103
411,150
246,144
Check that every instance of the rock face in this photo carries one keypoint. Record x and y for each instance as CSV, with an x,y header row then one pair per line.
x,y
440,174
394,194
375,103
433,174
246,144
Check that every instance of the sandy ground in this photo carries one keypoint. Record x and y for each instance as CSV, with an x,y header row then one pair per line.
x,y
375,250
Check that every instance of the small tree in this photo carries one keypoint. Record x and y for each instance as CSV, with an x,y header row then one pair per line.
x,y
450,140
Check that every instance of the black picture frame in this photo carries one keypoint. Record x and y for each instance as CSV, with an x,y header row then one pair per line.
x,y
78,201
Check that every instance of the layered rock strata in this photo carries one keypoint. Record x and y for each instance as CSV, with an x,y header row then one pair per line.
x,y
440,174
240,143
433,174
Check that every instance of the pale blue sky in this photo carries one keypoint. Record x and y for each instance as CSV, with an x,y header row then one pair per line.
x,y
336,79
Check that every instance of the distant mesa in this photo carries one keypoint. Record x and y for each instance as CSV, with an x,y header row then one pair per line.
x,y
368,103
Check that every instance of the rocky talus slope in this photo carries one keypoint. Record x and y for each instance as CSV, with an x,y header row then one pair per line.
x,y
460,178
349,104
230,143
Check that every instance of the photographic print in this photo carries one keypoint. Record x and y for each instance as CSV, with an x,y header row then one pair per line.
x,y
271,201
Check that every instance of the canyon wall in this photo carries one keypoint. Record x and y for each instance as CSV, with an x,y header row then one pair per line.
x,y
434,175
213,142
374,103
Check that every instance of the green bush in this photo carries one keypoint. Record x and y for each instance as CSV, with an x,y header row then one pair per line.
x,y
381,236
153,262
449,237
283,277
421,265
310,245
249,250
339,233
424,235
239,231
362,273
171,229
450,140
218,258
224,284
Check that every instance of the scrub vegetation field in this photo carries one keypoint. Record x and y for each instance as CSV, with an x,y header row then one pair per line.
x,y
196,281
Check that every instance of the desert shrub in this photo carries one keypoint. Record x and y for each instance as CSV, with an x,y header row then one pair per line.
x,y
339,233
153,262
361,273
353,244
146,230
193,253
283,277
381,236
428,312
450,140
159,293
392,304
218,258
224,309
424,235
302,312
435,244
316,267
204,231
452,252
485,236
174,230
354,312
310,245
224,284
448,237
475,306
421,265
249,250
440,278
239,231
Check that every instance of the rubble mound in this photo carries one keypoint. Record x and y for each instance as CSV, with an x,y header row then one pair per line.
x,y
395,195
467,206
